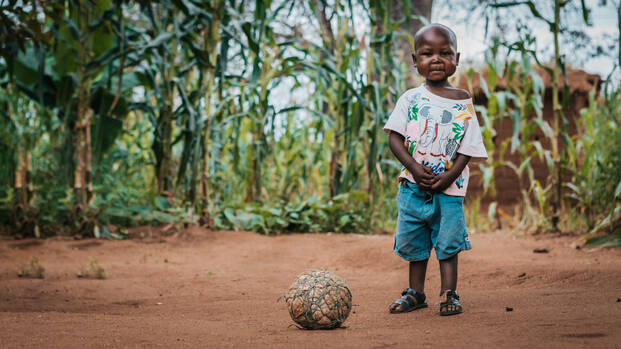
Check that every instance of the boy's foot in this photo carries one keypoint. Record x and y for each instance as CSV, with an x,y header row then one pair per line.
x,y
451,306
410,300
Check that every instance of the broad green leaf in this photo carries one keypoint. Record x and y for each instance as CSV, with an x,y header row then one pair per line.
x,y
492,78
104,131
25,68
65,59
103,40
163,217
605,241
545,127
162,203
488,173
517,121
102,6
491,212
525,164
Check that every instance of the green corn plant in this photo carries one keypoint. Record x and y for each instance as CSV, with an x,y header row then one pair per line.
x,y
557,132
596,185
337,63
82,43
19,137
266,63
527,99
596,188
199,36
159,68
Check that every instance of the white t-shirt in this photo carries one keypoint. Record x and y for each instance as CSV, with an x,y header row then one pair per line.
x,y
435,130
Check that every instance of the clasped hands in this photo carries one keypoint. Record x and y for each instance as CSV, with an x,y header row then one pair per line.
x,y
427,180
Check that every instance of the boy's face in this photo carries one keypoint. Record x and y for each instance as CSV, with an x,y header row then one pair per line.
x,y
435,58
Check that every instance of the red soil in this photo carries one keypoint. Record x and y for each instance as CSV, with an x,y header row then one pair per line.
x,y
219,289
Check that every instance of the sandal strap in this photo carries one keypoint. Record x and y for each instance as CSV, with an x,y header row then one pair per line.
x,y
404,301
419,297
452,298
451,306
452,294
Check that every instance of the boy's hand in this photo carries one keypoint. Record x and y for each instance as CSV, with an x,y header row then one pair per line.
x,y
443,181
423,176
446,178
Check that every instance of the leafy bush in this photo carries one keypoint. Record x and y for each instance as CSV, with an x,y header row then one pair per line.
x,y
345,213
163,211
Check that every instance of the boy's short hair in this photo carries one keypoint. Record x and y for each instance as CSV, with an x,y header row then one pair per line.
x,y
451,34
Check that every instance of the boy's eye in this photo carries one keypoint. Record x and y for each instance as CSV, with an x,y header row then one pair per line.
x,y
426,53
446,53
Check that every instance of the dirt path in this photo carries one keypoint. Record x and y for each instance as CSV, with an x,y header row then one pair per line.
x,y
219,289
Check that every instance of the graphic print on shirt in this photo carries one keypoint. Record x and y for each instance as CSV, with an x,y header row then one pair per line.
x,y
437,167
413,111
460,182
435,132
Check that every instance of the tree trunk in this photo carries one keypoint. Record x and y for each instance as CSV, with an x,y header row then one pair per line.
x,y
211,40
558,115
410,26
167,72
420,8
164,175
82,180
327,35
21,193
88,161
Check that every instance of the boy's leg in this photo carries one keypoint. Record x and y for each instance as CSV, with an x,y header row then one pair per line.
x,y
448,274
413,298
418,271
412,243
449,237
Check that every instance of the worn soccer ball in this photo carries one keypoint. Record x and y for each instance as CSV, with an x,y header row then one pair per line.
x,y
318,299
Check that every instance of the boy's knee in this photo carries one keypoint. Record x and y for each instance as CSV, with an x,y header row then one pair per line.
x,y
446,251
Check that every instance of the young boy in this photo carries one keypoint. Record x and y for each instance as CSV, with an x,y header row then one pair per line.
x,y
433,133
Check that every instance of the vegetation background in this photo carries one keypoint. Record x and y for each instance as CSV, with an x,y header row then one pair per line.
x,y
267,116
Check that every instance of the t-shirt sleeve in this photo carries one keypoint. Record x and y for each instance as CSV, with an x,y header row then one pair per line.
x,y
398,119
472,143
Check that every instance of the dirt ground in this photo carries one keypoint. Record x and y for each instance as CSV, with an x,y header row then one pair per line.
x,y
218,289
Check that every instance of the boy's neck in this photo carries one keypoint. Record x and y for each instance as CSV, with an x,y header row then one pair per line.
x,y
438,85
441,88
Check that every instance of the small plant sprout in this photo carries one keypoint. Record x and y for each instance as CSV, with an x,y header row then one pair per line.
x,y
93,268
33,269
145,258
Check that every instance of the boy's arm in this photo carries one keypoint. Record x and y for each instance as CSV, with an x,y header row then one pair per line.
x,y
423,175
446,178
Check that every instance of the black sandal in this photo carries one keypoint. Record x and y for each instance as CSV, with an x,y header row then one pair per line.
x,y
410,300
452,305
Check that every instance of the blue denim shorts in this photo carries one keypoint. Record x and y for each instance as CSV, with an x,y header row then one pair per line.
x,y
427,219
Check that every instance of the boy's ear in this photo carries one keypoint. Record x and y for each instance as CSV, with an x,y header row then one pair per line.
x,y
457,59
414,59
